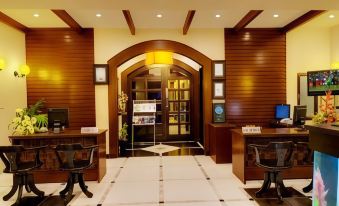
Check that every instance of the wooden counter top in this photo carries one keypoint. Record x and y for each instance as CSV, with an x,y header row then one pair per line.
x,y
274,132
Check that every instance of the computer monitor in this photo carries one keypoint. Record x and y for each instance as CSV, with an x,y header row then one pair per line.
x,y
299,115
282,111
58,114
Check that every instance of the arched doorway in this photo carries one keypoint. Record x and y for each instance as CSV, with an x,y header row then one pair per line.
x,y
148,46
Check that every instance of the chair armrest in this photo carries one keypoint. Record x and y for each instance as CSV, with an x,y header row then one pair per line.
x,y
257,146
36,148
91,147
38,162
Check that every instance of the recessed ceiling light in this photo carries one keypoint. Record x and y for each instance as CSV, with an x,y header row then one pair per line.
x,y
159,15
331,16
36,15
275,15
98,15
217,15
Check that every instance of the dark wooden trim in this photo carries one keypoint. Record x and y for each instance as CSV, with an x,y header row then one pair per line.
x,y
188,21
298,88
142,48
12,23
248,18
301,20
63,15
129,21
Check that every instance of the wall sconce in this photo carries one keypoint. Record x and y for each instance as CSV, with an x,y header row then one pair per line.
x,y
24,70
159,58
2,64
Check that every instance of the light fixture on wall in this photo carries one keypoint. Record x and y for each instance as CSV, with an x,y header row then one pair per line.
x,y
2,64
159,58
24,70
335,65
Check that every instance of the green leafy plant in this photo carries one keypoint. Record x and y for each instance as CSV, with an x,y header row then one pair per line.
x,y
123,132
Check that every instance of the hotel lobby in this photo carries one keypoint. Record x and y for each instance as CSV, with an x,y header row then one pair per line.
x,y
169,103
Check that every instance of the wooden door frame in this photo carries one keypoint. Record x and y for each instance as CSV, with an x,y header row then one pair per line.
x,y
144,47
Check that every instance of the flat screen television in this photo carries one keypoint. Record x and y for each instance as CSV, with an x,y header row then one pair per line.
x,y
58,114
320,81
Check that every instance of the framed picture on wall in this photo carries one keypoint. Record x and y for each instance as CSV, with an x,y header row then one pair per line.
x,y
218,90
218,112
100,73
218,69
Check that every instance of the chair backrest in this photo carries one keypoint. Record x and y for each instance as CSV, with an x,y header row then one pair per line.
x,y
284,152
10,155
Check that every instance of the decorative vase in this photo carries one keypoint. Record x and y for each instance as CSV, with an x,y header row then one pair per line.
x,y
122,107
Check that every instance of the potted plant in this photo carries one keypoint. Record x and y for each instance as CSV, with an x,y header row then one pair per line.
x,y
123,140
122,99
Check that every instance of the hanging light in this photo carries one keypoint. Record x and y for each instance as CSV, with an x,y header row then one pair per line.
x,y
24,70
159,58
2,64
335,65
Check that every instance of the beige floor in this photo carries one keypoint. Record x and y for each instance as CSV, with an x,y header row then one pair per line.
x,y
161,181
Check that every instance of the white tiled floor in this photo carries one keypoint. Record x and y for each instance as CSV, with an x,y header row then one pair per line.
x,y
160,181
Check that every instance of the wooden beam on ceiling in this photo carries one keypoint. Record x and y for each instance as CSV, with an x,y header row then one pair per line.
x,y
188,21
301,20
63,15
129,21
12,23
248,18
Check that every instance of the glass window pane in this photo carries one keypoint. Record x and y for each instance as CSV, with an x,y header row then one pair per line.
x,y
173,106
173,130
158,118
173,118
138,84
184,84
138,96
184,118
173,95
159,107
153,84
154,95
185,129
184,95
172,84
184,106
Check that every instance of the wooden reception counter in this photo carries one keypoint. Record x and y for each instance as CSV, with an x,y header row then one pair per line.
x,y
243,159
49,172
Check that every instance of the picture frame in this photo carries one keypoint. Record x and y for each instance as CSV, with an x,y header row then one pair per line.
x,y
100,74
218,69
218,90
218,112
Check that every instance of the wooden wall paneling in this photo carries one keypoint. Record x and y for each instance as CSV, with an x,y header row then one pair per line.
x,y
61,62
255,74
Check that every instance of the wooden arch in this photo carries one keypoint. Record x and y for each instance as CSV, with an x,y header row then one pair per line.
x,y
144,47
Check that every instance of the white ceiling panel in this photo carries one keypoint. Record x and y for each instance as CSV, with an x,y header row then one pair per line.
x,y
207,19
108,19
324,20
266,19
46,19
148,18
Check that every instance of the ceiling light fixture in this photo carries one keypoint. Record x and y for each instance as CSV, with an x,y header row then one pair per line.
x,y
159,58
159,15
2,64
98,15
217,15
331,16
275,15
36,15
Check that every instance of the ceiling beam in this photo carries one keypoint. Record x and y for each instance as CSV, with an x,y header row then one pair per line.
x,y
188,21
248,18
129,21
12,23
301,20
63,15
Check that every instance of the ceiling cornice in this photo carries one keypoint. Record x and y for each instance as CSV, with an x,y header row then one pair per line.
x,y
188,21
301,20
12,23
64,16
129,21
248,18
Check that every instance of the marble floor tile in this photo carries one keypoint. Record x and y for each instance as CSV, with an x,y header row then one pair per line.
x,y
142,161
178,160
205,161
229,189
111,174
194,204
142,173
99,192
180,172
241,203
115,162
220,171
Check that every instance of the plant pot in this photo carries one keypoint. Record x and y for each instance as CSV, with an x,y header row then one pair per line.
x,y
122,107
122,148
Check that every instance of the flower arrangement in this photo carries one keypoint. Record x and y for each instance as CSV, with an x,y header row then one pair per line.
x,y
28,121
123,132
122,98
327,111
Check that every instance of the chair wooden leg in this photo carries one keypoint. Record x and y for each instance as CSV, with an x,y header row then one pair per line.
x,y
265,186
31,185
19,194
70,190
279,186
16,183
309,187
83,186
69,182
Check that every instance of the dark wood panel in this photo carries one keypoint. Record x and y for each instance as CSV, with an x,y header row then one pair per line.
x,y
255,74
61,62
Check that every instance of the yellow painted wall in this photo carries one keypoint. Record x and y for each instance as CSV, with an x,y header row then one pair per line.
x,y
109,42
335,44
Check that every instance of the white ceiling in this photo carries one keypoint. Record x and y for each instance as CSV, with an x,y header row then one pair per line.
x,y
174,12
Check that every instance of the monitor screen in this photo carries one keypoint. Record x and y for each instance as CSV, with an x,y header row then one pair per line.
x,y
282,111
58,114
299,115
320,81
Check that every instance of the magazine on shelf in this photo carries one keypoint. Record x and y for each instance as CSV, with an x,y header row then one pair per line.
x,y
143,120
144,107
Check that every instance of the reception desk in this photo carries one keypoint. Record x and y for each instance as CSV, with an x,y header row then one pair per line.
x,y
243,158
49,172
324,140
